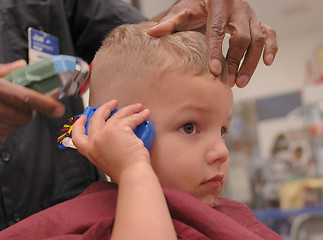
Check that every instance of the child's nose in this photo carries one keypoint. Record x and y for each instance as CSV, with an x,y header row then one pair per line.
x,y
218,152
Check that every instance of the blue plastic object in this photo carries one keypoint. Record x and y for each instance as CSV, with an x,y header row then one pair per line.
x,y
64,63
145,131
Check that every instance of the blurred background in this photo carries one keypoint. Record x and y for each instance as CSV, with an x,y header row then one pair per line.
x,y
276,138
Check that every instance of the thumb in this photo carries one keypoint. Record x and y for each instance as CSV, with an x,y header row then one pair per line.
x,y
79,138
163,28
7,68
168,25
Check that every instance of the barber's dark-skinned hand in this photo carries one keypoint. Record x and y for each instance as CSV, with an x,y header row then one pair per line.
x,y
17,103
249,37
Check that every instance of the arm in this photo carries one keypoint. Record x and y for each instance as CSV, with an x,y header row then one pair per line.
x,y
249,37
142,211
17,103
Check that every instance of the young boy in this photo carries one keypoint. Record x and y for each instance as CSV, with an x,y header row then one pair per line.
x,y
172,191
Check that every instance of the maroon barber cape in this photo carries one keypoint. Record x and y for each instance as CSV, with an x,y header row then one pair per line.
x,y
90,216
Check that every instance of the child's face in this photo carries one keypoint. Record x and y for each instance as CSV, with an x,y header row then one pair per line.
x,y
191,115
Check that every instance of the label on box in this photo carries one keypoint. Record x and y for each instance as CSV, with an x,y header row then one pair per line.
x,y
41,45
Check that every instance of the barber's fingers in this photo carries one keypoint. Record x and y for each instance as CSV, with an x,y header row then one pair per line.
x,y
7,129
178,21
25,99
238,44
262,38
7,68
217,20
13,116
12,120
2,138
165,27
255,43
271,45
184,15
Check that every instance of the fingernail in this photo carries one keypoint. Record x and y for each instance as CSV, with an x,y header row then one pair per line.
x,y
242,81
232,79
146,110
270,58
216,66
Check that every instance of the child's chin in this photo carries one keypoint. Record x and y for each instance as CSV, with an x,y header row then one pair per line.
x,y
209,200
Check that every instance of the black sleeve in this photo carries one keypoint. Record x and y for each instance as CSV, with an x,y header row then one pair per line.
x,y
90,21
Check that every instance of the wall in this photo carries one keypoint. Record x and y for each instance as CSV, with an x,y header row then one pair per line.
x,y
288,71
152,8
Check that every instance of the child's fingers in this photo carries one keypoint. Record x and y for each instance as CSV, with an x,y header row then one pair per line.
x,y
79,138
100,116
131,115
138,118
127,111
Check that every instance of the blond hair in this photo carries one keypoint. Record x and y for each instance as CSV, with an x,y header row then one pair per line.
x,y
129,54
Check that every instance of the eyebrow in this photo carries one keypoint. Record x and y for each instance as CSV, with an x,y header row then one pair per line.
x,y
196,108
202,109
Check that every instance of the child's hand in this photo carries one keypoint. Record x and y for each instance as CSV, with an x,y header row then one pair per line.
x,y
112,145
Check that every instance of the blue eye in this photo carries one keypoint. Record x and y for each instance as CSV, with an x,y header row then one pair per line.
x,y
224,131
188,128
